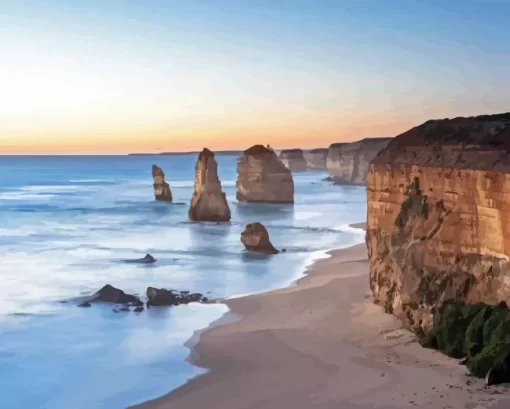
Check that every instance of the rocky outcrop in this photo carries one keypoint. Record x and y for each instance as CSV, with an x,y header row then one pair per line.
x,y
110,294
161,297
262,177
316,158
348,163
438,221
208,202
161,188
147,259
256,238
294,160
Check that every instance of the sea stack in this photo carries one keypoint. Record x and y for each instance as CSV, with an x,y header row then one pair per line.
x,y
208,202
256,238
294,160
438,201
348,163
161,188
316,158
263,178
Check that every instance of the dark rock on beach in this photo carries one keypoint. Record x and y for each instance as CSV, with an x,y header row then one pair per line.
x,y
162,297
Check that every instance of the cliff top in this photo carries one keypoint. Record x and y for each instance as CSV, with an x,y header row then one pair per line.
x,y
318,150
479,142
205,155
256,150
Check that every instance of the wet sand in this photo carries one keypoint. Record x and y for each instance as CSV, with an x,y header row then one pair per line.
x,y
322,344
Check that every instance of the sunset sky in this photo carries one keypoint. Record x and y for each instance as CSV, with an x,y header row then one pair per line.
x,y
101,76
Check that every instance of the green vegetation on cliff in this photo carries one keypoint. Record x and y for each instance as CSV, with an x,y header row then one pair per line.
x,y
480,333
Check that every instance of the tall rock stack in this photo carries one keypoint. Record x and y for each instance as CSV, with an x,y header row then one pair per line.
x,y
316,158
348,163
438,220
208,202
263,178
161,188
294,160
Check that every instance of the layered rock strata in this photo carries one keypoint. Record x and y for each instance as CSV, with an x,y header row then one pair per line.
x,y
255,237
348,163
316,158
294,160
208,202
438,220
161,188
263,178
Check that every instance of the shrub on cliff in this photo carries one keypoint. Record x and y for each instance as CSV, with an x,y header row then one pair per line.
x,y
480,333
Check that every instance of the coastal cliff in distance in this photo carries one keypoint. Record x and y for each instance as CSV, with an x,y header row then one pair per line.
x,y
438,217
294,160
316,158
208,202
263,178
347,163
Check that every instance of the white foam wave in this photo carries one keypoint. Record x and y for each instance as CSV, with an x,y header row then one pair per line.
x,y
26,196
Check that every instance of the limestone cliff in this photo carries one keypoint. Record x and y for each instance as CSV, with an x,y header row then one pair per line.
x,y
438,217
316,158
348,162
262,177
294,160
208,202
161,188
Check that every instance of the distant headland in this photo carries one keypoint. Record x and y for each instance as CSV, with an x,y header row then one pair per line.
x,y
217,153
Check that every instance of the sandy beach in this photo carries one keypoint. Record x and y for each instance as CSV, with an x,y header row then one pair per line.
x,y
322,344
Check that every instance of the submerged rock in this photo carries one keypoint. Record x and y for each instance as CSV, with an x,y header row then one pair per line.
x,y
161,188
294,160
162,297
256,238
147,259
263,178
208,202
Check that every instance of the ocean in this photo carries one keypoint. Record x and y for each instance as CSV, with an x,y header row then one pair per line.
x,y
66,224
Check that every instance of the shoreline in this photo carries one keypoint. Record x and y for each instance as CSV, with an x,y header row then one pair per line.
x,y
319,342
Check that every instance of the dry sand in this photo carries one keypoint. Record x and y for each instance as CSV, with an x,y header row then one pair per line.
x,y
323,344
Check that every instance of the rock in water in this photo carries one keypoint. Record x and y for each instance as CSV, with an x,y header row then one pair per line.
x,y
294,160
162,297
161,188
263,178
208,202
316,158
256,238
348,163
437,226
113,295
147,259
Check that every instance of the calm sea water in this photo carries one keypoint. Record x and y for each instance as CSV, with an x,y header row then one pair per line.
x,y
65,225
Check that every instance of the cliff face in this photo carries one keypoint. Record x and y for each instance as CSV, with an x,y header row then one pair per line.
x,y
316,158
161,188
294,160
208,202
348,162
262,177
438,220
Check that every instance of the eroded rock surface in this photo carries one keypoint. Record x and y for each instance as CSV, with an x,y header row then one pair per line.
x,y
161,188
294,160
255,237
348,163
113,295
263,178
208,202
438,227
316,158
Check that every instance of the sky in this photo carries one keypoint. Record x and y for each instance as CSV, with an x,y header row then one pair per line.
x,y
119,76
